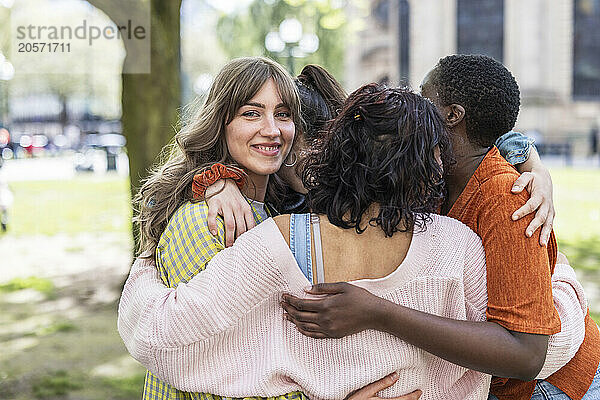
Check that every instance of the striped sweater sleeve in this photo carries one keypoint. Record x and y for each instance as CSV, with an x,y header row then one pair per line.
x,y
571,304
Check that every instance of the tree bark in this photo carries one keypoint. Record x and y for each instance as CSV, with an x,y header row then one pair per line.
x,y
150,102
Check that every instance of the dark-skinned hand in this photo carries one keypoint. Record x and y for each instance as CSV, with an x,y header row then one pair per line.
x,y
342,309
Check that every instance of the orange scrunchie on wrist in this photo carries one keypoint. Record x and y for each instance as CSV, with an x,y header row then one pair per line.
x,y
218,171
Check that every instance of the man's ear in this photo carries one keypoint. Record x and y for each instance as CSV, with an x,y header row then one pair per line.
x,y
454,114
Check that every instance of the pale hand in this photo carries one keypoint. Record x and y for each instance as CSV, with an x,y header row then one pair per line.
x,y
539,184
562,259
370,391
225,199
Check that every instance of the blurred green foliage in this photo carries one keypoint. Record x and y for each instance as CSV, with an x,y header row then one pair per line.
x,y
83,204
243,33
100,88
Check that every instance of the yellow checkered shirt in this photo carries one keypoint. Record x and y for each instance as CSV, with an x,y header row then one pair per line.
x,y
184,249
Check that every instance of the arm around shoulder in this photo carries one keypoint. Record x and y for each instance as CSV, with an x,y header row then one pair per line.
x,y
155,320
571,304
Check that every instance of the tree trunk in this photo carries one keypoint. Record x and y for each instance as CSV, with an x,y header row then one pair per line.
x,y
150,102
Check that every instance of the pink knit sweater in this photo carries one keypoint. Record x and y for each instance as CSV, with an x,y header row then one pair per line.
x,y
223,332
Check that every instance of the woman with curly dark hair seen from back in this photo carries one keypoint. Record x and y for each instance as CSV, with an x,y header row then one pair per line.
x,y
538,341
375,181
362,167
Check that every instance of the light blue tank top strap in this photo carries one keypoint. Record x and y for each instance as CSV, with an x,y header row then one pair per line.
x,y
300,243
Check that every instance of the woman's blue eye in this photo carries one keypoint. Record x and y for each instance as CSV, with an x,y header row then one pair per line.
x,y
251,114
284,114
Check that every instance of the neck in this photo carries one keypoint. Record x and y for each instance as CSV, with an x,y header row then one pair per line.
x,y
468,157
372,212
256,187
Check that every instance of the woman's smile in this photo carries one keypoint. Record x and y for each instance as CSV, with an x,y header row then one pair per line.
x,y
267,149
261,134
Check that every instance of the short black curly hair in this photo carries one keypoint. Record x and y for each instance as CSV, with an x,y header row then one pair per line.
x,y
485,88
380,150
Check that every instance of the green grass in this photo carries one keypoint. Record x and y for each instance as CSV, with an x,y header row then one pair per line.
x,y
83,204
60,326
56,383
577,223
42,285
127,388
577,202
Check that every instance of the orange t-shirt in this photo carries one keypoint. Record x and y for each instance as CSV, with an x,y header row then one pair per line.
x,y
519,275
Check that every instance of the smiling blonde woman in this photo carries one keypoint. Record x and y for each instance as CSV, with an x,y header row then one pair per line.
x,y
248,119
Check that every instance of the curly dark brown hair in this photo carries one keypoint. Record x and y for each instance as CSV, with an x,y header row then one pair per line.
x,y
380,149
485,88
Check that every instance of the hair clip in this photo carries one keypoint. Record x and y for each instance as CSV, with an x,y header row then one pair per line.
x,y
357,117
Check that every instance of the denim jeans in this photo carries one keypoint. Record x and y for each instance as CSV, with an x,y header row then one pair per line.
x,y
546,391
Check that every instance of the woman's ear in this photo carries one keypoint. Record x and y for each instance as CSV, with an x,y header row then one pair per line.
x,y
454,114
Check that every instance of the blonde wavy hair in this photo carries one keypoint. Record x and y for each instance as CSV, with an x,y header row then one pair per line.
x,y
200,142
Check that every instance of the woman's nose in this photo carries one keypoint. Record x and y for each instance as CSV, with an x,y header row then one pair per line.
x,y
270,128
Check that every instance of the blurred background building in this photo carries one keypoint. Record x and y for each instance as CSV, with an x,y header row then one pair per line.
x,y
77,135
552,48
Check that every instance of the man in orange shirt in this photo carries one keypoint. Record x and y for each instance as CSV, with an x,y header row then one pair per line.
x,y
471,94
479,99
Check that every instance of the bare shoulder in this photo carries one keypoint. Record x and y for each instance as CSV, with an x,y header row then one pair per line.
x,y
283,223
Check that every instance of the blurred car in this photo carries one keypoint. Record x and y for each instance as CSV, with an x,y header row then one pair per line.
x,y
6,151
4,137
6,200
34,144
100,152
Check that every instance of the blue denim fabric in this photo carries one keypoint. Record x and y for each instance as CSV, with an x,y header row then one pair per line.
x,y
514,147
300,243
546,391
593,392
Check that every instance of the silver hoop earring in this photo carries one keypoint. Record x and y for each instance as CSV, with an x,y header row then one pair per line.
x,y
292,163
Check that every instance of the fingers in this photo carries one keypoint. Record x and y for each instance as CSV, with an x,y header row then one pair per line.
x,y
303,304
522,181
383,383
532,204
547,228
328,288
297,315
225,199
537,221
372,389
411,396
213,210
305,326
229,219
249,218
236,222
540,218
315,335
240,222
